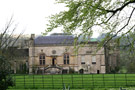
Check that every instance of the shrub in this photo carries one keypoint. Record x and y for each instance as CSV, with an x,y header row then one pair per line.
x,y
5,78
71,71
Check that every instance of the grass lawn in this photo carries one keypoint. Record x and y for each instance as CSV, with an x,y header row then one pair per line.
x,y
76,82
80,89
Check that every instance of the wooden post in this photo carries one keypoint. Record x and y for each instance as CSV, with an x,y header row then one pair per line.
x,y
14,67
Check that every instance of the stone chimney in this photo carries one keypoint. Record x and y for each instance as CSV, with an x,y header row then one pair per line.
x,y
32,36
31,41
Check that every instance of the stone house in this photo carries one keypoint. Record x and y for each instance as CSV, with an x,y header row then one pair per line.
x,y
56,54
18,60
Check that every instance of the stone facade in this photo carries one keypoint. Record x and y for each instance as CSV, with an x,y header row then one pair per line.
x,y
18,60
58,58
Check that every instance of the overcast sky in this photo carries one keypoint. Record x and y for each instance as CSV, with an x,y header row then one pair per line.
x,y
30,14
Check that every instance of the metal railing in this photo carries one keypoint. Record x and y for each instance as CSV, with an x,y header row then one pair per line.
x,y
74,81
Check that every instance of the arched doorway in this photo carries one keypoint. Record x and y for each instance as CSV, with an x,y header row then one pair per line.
x,y
81,71
53,61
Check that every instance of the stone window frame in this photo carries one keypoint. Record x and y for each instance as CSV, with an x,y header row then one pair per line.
x,y
66,58
93,59
82,59
42,59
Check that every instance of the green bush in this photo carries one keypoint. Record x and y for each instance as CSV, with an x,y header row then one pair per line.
x,y
24,70
5,78
71,71
131,67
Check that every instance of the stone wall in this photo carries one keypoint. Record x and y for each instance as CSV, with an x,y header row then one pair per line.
x,y
75,57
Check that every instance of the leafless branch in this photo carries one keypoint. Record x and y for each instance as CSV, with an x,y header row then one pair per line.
x,y
122,7
17,38
114,11
7,27
8,39
121,28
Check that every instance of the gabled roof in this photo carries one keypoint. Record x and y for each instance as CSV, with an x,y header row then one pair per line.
x,y
54,40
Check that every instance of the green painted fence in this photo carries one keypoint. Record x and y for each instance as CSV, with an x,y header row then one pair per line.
x,y
75,81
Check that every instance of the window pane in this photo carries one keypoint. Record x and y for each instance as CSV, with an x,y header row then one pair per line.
x,y
93,59
43,62
40,62
83,58
43,57
82,62
67,56
64,61
67,61
40,57
64,55
93,62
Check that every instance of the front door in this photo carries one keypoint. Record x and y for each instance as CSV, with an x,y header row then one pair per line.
x,y
98,71
53,61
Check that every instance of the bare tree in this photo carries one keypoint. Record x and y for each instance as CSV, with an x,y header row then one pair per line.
x,y
7,39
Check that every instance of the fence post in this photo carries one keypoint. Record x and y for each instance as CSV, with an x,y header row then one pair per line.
x,y
24,80
126,78
93,80
43,80
114,80
82,81
72,80
33,82
15,80
52,82
62,79
104,80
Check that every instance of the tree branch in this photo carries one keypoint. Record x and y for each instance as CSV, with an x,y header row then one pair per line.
x,y
114,11
121,28
119,9
9,38
7,27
